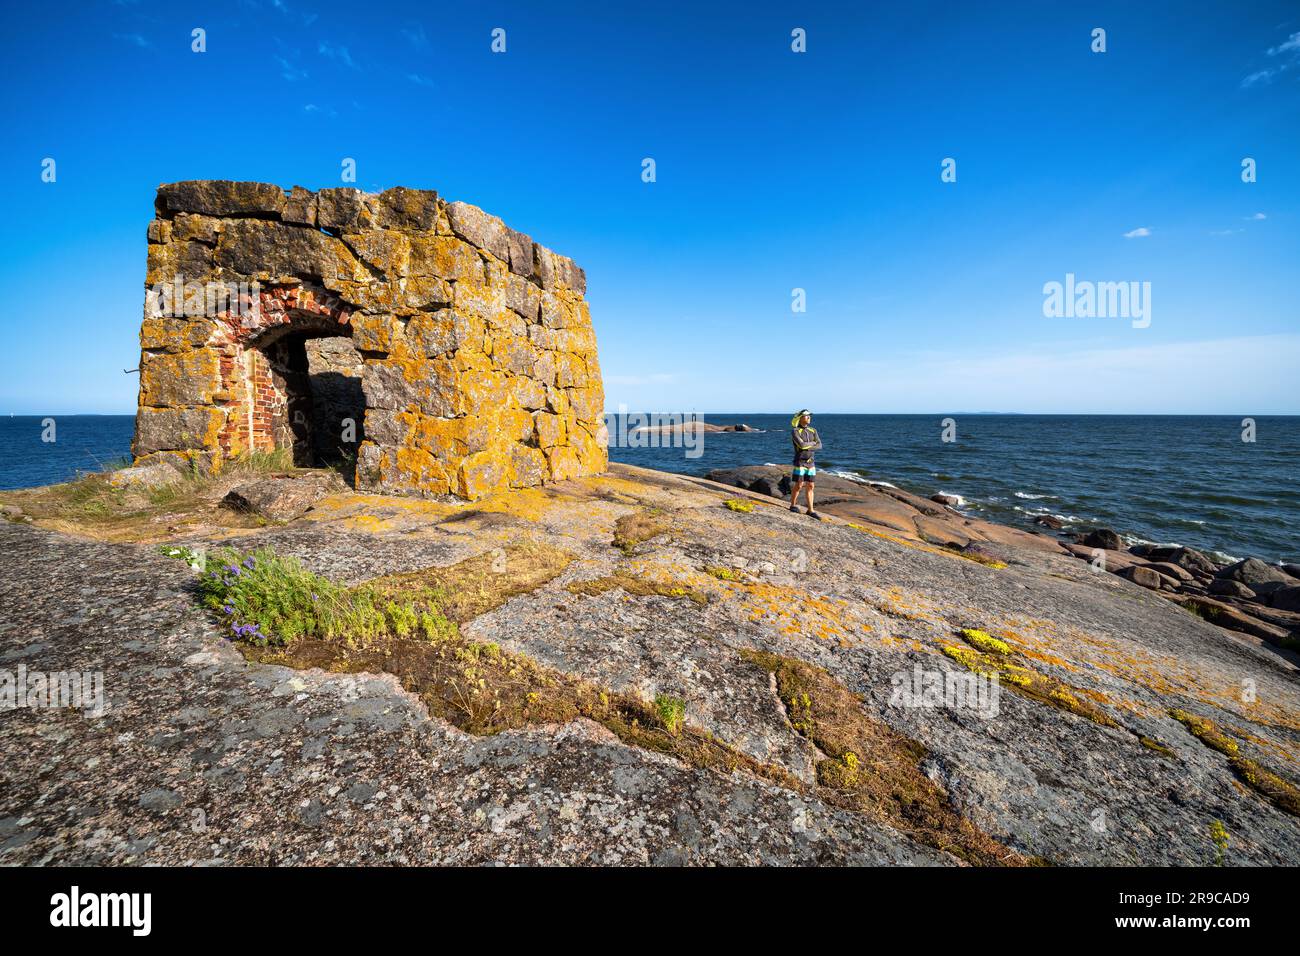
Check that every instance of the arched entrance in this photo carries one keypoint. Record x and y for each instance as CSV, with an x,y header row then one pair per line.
x,y
304,380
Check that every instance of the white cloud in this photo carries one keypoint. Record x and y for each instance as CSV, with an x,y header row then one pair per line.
x,y
419,79
289,71
1290,45
339,53
1257,216
1141,232
1286,54
417,37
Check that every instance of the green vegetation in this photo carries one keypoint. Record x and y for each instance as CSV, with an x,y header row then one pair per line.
x,y
671,712
1219,836
266,599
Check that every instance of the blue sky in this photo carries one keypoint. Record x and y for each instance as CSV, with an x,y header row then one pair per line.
x,y
775,171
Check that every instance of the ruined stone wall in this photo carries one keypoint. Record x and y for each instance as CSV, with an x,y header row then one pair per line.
x,y
479,360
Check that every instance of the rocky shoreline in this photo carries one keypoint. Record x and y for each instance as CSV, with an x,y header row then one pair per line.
x,y
1250,596
780,646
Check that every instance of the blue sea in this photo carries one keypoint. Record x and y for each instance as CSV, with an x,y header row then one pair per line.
x,y
1167,479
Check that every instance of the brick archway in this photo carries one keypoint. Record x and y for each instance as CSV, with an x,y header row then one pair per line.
x,y
265,371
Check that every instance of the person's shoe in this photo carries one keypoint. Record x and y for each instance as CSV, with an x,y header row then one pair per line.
x,y
815,514
794,508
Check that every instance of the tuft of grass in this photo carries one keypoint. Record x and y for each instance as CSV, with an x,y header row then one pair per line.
x,y
1220,838
671,711
739,504
1281,793
636,528
261,462
870,767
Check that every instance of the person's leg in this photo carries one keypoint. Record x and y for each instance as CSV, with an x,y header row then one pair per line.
x,y
794,495
811,509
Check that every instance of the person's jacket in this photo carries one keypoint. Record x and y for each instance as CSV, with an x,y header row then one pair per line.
x,y
806,442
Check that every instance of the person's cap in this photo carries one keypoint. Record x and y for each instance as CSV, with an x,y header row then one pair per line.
x,y
800,414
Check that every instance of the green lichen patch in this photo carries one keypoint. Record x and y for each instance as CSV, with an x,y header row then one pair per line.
x,y
984,641
870,767
1281,793
1152,744
1001,664
724,574
739,504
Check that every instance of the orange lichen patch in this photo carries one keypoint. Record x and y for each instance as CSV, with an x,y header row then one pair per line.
x,y
896,603
798,613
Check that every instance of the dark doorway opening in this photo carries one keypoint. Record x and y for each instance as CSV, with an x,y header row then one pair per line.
x,y
323,407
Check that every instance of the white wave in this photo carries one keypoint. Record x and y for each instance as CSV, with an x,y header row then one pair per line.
x,y
1028,497
960,500
854,476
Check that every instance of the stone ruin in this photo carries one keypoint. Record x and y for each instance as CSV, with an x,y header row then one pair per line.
x,y
428,343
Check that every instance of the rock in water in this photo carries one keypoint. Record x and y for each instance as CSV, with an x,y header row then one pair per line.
x,y
1102,538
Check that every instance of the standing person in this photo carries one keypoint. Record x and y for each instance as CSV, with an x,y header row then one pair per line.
x,y
806,442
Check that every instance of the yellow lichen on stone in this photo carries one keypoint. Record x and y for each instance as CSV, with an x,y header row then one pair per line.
x,y
479,368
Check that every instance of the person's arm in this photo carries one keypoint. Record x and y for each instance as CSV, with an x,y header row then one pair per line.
x,y
816,444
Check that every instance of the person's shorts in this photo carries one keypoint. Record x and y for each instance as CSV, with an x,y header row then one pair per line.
x,y
805,472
